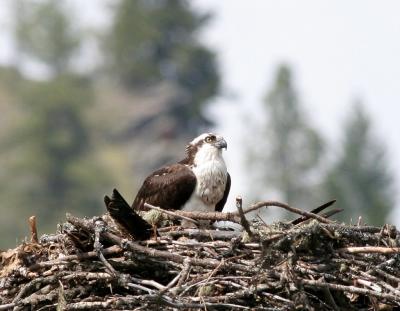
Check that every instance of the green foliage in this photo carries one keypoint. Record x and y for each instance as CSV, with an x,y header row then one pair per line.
x,y
360,179
293,148
154,41
50,160
53,169
44,32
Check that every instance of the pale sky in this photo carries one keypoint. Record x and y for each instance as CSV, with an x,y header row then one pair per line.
x,y
339,50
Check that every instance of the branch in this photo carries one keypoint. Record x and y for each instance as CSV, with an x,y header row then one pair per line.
x,y
243,220
32,226
170,213
203,234
216,216
349,289
370,249
112,250
7,306
98,247
286,207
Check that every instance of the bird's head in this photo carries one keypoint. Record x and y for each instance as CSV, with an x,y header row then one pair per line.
x,y
206,147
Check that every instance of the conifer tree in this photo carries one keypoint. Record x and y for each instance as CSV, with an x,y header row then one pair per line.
x,y
44,32
156,41
290,149
53,167
360,180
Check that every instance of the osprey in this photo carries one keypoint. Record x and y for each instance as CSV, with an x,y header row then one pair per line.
x,y
200,182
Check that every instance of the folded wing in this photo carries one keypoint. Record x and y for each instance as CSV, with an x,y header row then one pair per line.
x,y
169,188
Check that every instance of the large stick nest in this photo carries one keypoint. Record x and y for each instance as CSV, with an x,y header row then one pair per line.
x,y
91,264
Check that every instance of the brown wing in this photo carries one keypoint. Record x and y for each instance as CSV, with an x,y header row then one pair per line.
x,y
220,205
168,188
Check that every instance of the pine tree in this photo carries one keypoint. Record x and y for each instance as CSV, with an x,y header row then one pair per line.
x,y
155,41
51,161
45,33
360,180
291,149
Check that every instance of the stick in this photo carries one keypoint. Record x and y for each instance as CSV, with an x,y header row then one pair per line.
x,y
170,213
286,207
33,285
243,219
370,249
99,228
350,289
216,216
203,234
235,217
7,306
112,250
32,226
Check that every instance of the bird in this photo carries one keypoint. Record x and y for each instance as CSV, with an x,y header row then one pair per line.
x,y
199,182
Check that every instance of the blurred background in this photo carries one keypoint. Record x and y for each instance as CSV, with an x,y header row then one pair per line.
x,y
96,94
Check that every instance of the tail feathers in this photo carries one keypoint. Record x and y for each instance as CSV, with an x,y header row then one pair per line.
x,y
126,217
332,212
317,210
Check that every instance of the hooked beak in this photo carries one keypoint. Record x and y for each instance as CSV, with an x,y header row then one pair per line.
x,y
221,143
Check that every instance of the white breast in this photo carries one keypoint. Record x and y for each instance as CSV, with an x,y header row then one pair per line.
x,y
211,174
211,181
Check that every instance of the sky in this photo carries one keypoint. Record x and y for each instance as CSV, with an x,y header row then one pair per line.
x,y
339,51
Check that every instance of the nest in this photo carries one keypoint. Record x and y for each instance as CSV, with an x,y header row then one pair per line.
x,y
310,264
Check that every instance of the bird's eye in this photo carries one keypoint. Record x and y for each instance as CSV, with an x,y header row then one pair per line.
x,y
210,138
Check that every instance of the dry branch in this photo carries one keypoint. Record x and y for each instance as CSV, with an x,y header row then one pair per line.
x,y
370,249
243,220
33,229
170,213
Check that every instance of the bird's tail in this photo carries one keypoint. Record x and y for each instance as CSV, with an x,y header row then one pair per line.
x,y
317,210
126,217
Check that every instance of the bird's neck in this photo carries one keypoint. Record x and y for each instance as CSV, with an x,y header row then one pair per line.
x,y
205,155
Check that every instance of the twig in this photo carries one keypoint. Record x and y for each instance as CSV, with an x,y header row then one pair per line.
x,y
33,228
203,234
278,298
349,289
140,287
286,207
36,283
7,306
99,228
184,272
213,272
384,264
369,284
216,216
235,217
147,282
170,213
370,249
172,283
112,250
243,219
